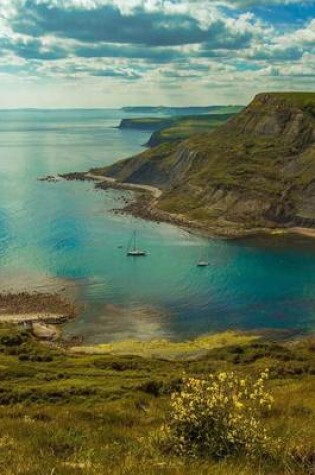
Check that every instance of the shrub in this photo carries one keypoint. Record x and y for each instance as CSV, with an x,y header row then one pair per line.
x,y
219,417
155,388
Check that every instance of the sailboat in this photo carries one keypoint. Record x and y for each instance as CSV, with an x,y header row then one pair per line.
x,y
203,259
133,250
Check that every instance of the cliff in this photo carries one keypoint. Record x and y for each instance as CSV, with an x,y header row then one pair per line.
x,y
184,127
256,170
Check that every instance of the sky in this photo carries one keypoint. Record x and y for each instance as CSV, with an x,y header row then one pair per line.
x,y
113,53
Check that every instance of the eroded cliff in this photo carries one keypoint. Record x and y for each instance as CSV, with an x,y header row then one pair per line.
x,y
257,170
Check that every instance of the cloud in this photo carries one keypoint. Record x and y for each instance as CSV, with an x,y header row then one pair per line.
x,y
107,24
289,47
275,53
268,3
110,73
163,47
105,50
153,27
32,48
303,36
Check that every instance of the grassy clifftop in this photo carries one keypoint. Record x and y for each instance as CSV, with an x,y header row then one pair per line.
x,y
146,123
185,127
256,170
304,100
175,129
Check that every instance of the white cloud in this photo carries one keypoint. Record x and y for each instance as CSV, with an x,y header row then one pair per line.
x,y
269,60
302,36
264,3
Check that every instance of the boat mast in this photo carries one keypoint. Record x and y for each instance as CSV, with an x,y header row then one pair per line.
x,y
134,240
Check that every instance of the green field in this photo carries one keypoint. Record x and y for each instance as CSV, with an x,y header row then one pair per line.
x,y
70,413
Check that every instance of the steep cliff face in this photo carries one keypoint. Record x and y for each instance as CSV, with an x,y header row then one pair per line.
x,y
289,116
257,170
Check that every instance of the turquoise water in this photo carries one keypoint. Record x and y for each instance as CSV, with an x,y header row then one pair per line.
x,y
64,236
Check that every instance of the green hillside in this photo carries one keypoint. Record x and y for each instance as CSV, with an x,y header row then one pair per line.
x,y
146,123
255,171
68,413
185,127
172,129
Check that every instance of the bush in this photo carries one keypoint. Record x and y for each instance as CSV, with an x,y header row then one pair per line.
x,y
219,417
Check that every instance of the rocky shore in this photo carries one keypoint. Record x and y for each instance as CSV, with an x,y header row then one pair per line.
x,y
43,313
144,205
255,173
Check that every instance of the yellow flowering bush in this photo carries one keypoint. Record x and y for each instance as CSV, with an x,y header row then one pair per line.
x,y
219,416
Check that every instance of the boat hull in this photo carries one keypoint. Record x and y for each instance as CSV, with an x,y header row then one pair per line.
x,y
136,254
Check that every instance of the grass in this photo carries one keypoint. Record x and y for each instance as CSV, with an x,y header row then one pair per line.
x,y
185,127
146,123
299,99
66,413
174,128
170,350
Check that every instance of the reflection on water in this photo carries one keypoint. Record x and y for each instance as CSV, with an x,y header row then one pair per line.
x,y
63,236
119,322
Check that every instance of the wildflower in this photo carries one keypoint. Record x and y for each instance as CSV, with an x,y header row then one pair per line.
x,y
220,415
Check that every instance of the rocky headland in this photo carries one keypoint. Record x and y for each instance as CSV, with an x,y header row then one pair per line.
x,y
254,173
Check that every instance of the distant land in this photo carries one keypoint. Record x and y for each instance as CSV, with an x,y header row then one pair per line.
x,y
175,128
255,172
167,110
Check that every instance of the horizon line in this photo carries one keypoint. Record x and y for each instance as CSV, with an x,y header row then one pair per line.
x,y
118,107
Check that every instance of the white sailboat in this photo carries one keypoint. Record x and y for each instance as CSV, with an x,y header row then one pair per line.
x,y
203,259
133,250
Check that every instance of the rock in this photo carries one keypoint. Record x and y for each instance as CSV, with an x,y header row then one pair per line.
x,y
50,178
45,332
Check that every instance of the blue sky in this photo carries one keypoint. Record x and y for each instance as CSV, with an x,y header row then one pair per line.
x,y
108,53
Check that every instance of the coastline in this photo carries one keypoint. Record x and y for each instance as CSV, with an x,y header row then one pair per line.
x,y
307,232
188,349
144,205
166,349
42,313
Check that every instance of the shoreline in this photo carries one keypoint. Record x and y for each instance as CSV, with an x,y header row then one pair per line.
x,y
144,206
34,317
42,313
191,348
188,349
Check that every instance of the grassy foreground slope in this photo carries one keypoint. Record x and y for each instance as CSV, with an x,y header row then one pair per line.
x,y
255,171
66,414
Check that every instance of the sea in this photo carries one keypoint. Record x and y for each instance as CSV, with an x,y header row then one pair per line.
x,y
71,238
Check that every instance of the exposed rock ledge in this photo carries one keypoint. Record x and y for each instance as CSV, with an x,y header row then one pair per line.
x,y
144,206
40,312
